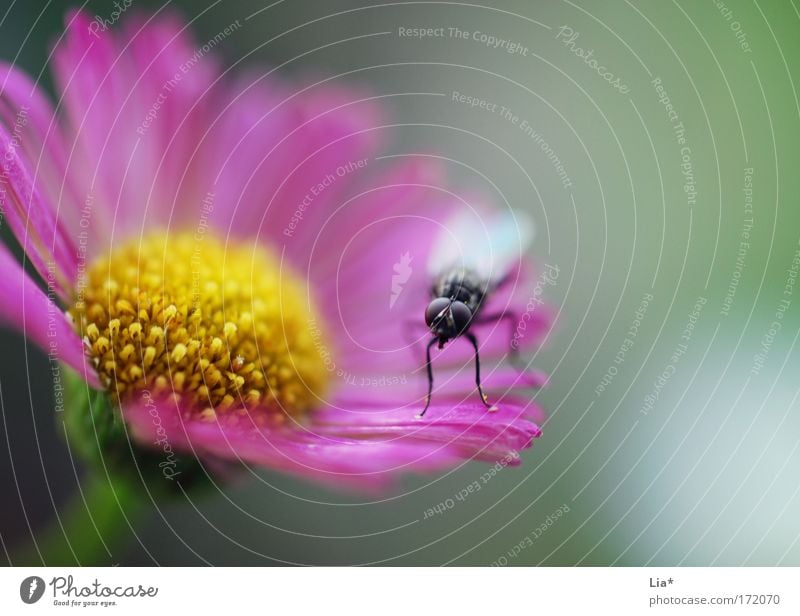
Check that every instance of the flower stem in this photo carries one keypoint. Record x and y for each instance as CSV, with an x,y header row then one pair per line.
x,y
89,528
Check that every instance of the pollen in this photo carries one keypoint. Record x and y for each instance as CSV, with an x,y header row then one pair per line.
x,y
223,328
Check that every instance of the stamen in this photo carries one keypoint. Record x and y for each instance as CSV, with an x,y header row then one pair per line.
x,y
222,326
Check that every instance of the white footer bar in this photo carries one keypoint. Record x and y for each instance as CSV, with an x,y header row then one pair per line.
x,y
411,591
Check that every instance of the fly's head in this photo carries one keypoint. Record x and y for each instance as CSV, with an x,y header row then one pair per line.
x,y
447,318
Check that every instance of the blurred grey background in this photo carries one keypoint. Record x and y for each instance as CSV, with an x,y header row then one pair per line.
x,y
674,445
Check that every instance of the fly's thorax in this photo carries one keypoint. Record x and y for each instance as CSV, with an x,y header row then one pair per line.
x,y
463,285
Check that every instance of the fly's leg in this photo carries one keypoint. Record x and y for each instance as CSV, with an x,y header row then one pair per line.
x,y
513,349
484,398
430,377
410,328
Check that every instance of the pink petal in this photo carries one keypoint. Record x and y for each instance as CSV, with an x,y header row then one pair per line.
x,y
397,210
352,265
274,146
31,216
467,426
358,449
409,389
241,157
24,307
41,143
337,132
351,463
135,112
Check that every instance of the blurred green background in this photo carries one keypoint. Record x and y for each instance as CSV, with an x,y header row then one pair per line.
x,y
671,444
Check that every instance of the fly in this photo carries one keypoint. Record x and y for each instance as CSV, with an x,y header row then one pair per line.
x,y
466,271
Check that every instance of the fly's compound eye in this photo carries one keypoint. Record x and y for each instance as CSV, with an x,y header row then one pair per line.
x,y
435,308
461,316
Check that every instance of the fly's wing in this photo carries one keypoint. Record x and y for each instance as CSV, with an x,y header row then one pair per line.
x,y
488,245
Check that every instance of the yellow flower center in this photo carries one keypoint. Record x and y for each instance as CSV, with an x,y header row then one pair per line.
x,y
223,327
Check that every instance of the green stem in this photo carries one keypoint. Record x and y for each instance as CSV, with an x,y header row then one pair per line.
x,y
89,527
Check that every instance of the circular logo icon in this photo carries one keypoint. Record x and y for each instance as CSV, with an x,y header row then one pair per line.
x,y
31,589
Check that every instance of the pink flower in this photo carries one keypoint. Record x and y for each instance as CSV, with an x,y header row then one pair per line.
x,y
233,264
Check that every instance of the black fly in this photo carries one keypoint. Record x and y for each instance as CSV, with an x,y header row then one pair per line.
x,y
458,299
471,260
